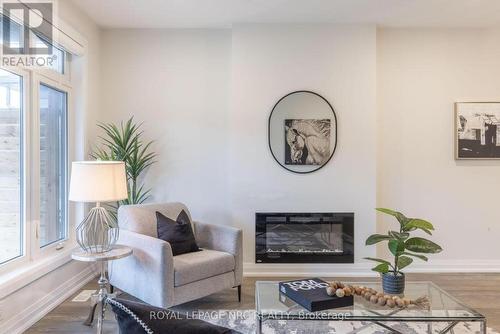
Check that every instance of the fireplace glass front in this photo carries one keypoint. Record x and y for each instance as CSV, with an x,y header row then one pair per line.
x,y
304,237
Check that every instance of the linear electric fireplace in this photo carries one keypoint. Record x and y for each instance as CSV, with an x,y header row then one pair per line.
x,y
304,237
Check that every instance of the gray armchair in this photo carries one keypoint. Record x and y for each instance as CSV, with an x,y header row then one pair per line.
x,y
155,276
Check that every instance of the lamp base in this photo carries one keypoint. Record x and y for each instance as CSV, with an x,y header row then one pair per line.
x,y
98,232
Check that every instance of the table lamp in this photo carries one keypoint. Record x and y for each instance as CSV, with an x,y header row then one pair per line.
x,y
97,181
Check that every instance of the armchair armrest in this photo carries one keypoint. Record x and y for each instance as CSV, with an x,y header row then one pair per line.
x,y
225,239
148,273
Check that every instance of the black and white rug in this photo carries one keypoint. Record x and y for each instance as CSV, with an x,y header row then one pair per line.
x,y
245,322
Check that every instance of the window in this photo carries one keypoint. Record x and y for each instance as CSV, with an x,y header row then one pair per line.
x,y
57,57
11,227
34,155
53,164
15,32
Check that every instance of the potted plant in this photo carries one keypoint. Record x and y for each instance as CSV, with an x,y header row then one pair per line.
x,y
403,247
124,142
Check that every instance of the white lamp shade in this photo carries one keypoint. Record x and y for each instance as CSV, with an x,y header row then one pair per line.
x,y
98,181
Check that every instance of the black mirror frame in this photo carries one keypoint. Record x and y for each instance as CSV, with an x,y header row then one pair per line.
x,y
269,132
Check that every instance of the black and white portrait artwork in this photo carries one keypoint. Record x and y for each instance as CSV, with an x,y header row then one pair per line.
x,y
477,130
307,141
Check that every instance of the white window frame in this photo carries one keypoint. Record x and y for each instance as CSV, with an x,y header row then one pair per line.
x,y
32,78
61,78
37,251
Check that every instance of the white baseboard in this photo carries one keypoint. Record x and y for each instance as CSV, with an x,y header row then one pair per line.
x,y
307,269
36,311
363,269
455,266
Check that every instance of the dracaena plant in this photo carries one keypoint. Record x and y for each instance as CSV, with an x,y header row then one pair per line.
x,y
124,143
402,245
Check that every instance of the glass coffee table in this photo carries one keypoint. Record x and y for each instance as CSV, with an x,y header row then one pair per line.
x,y
443,309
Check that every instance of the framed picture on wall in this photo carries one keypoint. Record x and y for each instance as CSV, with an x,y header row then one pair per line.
x,y
477,130
307,141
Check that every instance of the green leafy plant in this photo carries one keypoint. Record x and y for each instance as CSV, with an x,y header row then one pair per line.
x,y
401,245
124,143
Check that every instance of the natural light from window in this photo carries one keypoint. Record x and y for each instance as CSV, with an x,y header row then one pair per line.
x,y
33,156
11,229
53,162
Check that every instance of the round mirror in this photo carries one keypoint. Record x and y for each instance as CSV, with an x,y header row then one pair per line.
x,y
302,132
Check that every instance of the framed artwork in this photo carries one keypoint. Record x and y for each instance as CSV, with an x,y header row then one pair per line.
x,y
302,132
307,141
477,130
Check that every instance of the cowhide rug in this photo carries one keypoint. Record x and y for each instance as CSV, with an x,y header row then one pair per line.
x,y
245,322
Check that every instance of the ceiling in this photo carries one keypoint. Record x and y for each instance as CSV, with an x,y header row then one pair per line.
x,y
224,13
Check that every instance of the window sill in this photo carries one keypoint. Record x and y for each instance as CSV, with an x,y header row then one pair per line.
x,y
20,277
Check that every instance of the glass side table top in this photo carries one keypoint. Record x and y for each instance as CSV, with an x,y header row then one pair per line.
x,y
271,304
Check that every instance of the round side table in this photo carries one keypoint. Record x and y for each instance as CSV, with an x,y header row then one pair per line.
x,y
99,298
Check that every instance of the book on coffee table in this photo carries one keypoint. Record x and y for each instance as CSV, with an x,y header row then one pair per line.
x,y
310,293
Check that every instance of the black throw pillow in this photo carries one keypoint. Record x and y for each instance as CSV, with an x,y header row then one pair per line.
x,y
178,233
183,218
139,318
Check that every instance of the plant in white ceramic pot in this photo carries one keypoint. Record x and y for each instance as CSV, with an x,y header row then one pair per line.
x,y
404,248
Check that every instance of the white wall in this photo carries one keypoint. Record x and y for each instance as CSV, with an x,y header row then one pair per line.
x,y
177,83
420,74
269,61
88,71
205,97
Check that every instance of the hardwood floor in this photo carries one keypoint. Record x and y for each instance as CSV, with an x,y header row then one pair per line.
x,y
479,291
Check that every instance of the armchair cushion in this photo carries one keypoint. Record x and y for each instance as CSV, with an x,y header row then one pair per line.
x,y
192,267
225,239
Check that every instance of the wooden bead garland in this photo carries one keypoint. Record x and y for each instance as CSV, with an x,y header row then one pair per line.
x,y
340,290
